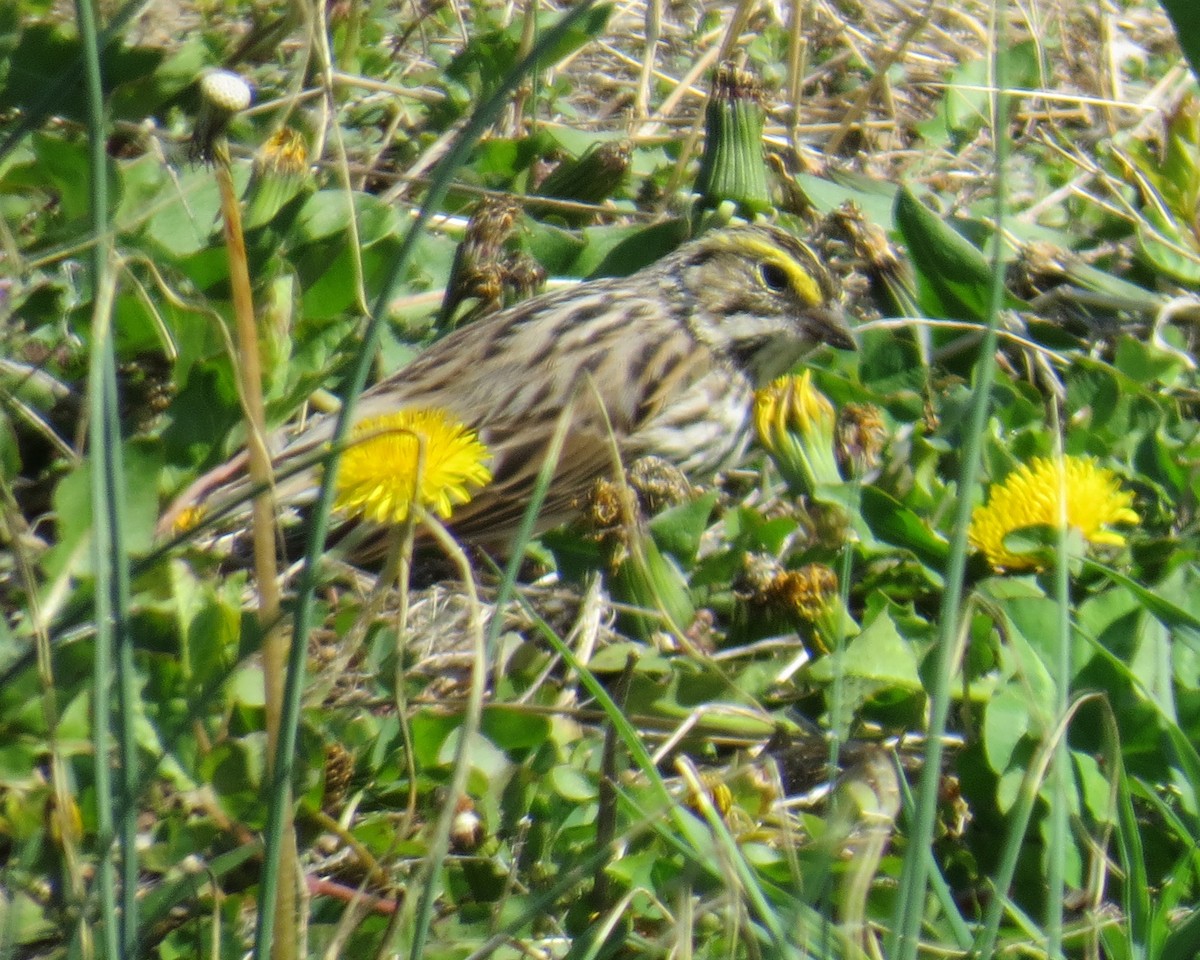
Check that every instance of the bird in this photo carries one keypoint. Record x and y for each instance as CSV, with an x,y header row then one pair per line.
x,y
663,362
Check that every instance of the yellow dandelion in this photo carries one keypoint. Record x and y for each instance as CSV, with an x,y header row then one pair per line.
x,y
284,154
1030,497
789,404
795,423
280,174
189,519
378,477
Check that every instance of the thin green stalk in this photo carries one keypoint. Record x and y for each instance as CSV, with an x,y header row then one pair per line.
x,y
1060,769
127,693
1018,823
482,118
118,930
942,893
902,940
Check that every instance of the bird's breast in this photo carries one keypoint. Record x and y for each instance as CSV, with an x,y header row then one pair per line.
x,y
705,428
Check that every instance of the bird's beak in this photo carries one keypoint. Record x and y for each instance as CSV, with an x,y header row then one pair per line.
x,y
829,325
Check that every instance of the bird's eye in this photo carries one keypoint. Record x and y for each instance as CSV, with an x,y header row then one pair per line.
x,y
774,276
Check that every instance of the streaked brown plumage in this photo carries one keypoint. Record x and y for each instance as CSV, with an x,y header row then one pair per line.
x,y
671,353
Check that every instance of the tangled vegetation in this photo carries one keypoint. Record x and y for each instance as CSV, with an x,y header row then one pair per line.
x,y
923,676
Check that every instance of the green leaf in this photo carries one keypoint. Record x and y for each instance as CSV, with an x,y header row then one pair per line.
x,y
514,729
1005,723
45,71
956,278
19,764
235,769
429,730
879,653
327,214
1185,15
751,531
679,529
1184,624
894,523
876,198
485,757
1094,788
73,509
620,251
573,784
1168,250
190,223
212,641
1183,942
967,103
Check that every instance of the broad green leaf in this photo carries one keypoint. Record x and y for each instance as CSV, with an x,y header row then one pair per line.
x,y
429,730
484,755
876,198
894,523
878,653
190,221
327,214
1006,722
955,277
1169,251
514,729
1185,625
967,104
73,509
679,529
44,74
1094,788
573,784
1031,633
620,251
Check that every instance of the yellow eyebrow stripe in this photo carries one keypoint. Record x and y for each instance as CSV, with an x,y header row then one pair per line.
x,y
801,281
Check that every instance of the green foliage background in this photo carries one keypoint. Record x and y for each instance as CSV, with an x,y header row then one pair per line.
x,y
1013,753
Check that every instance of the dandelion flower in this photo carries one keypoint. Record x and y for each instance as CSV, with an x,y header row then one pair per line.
x,y
795,423
280,173
1030,497
188,520
284,154
378,477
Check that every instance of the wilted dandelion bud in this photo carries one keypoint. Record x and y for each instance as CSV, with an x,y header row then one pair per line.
x,y
280,167
339,771
805,593
860,436
809,595
659,484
